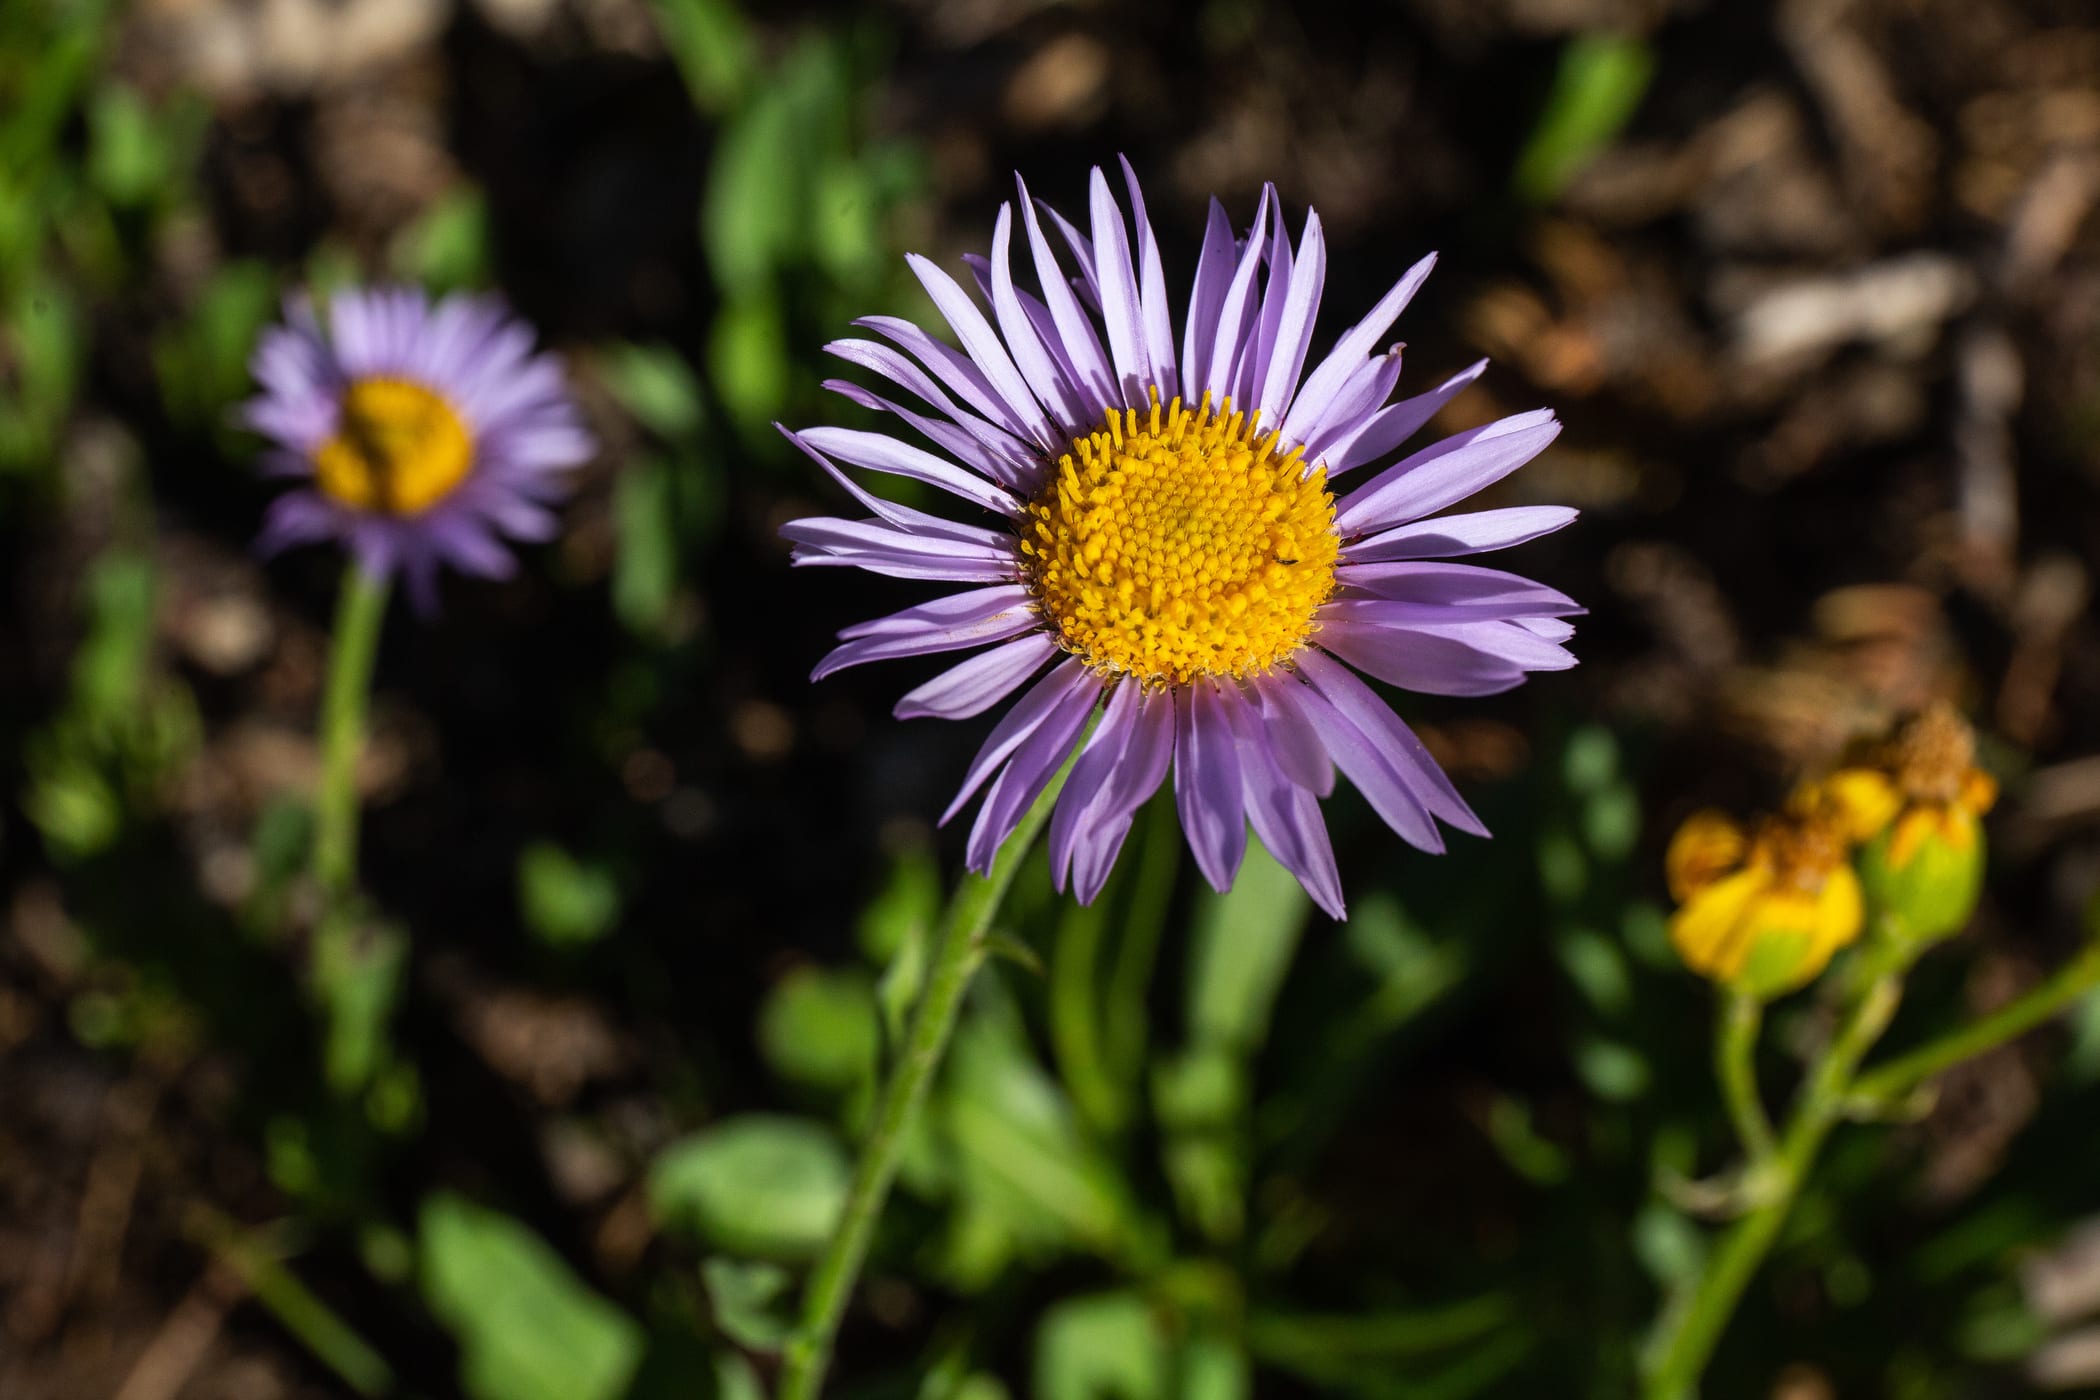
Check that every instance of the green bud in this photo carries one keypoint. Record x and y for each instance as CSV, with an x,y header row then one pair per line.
x,y
1923,873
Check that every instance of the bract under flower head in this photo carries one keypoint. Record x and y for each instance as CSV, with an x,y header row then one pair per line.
x,y
1765,910
1158,509
1916,801
428,433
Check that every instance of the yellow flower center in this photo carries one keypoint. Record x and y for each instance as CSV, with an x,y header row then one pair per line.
x,y
398,448
1181,544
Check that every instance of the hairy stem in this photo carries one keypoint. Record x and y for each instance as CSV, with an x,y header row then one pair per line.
x,y
962,947
359,613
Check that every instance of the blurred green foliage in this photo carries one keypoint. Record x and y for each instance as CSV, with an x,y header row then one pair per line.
x,y
1185,1144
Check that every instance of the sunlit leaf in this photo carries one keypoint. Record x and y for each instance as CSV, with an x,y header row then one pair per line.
x,y
771,1187
527,1328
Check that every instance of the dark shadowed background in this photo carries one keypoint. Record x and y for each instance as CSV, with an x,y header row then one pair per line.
x,y
1816,288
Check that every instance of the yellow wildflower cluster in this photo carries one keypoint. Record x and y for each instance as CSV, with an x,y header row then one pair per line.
x,y
1764,908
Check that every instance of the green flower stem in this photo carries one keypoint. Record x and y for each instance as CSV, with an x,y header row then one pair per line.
x,y
962,949
1892,1081
1690,1334
1735,1064
317,1326
359,612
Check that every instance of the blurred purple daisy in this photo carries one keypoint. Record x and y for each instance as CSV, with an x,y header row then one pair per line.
x,y
1162,521
426,432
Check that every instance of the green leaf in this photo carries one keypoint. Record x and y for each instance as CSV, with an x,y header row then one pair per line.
x,y
527,1328
712,45
747,359
904,909
1611,821
761,1185
357,970
1101,1348
1242,948
1591,761
128,156
645,570
1601,80
1018,1149
566,902
656,386
819,1028
447,246
1530,1155
753,1300
752,219
1597,968
1613,1071
202,361
1671,1248
42,340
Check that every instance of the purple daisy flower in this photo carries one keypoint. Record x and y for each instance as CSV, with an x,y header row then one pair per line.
x,y
426,432
1164,540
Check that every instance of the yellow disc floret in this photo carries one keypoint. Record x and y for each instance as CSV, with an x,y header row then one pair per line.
x,y
398,448
1179,544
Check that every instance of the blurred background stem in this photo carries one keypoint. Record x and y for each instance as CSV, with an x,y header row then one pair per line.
x,y
1735,1062
1689,1337
962,948
1893,1080
319,1328
359,613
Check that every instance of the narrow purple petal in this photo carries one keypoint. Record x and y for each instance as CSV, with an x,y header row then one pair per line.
x,y
1352,405
1391,789
1155,317
1074,331
1130,784
955,370
905,519
969,619
1090,775
1199,334
979,683
1087,284
1551,628
1445,472
1117,281
1045,375
1311,406
1070,685
871,545
1511,641
1293,335
1474,533
296,518
1285,816
1392,426
1291,737
1252,370
1034,763
1398,744
886,454
467,544
984,347
1207,783
1236,312
1418,661
1454,592
1015,470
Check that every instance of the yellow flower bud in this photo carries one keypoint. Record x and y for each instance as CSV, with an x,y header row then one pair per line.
x,y
1764,912
1916,800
